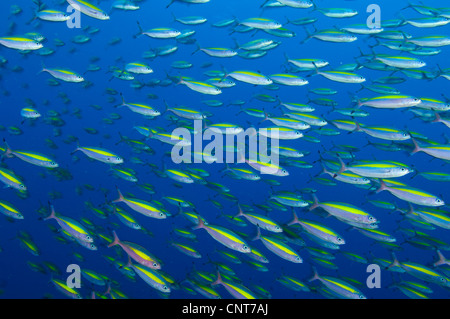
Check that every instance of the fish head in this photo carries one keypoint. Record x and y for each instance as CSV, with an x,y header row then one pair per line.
x,y
244,248
115,160
339,240
52,164
438,202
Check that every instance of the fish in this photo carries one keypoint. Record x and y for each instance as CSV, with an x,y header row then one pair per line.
x,y
141,206
31,157
137,253
224,236
88,9
338,286
99,154
71,226
20,43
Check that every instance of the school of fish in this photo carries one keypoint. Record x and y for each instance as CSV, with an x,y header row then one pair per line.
x,y
211,231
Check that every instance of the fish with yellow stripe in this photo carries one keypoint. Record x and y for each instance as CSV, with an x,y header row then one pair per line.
x,y
137,253
99,154
88,9
238,291
70,225
30,157
224,236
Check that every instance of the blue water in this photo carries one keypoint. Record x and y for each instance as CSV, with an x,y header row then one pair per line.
x,y
17,280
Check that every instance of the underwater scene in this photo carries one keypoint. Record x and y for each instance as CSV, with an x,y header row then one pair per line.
x,y
224,149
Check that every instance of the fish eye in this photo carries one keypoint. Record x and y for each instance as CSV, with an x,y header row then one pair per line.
x,y
161,214
339,239
361,297
245,247
92,246
297,258
438,200
22,186
165,288
88,237
118,158
155,265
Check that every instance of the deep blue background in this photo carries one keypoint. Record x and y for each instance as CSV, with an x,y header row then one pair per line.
x,y
18,281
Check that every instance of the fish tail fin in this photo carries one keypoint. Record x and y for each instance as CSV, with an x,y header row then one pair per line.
x,y
415,173
395,262
180,80
362,88
410,5
225,73
263,4
78,147
357,128
120,199
8,152
382,187
308,36
123,101
416,147
316,69
440,72
315,275
227,168
286,57
437,118
441,259
294,218
52,212
116,240
315,199
266,117
198,48
218,280
141,31
166,106
170,3
32,19
43,69
241,212
180,211
342,169
129,264
258,233
200,224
